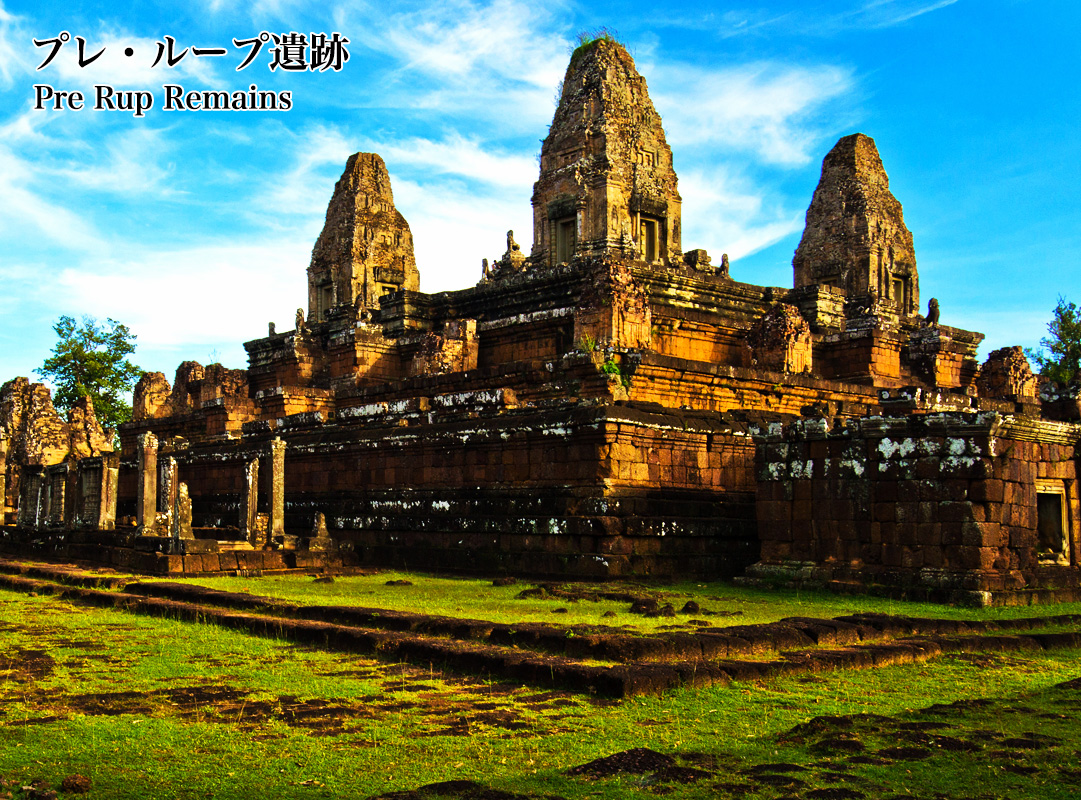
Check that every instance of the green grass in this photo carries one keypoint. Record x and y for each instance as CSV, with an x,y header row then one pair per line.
x,y
478,599
116,685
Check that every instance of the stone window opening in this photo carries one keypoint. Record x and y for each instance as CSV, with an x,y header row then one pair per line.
x,y
647,239
325,299
900,292
1052,522
566,239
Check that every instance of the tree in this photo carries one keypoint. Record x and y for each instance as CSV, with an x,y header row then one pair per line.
x,y
91,361
1063,345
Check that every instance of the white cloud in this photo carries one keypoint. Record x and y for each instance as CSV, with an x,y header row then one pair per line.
x,y
828,20
217,292
26,211
887,13
12,36
766,108
129,165
305,189
498,61
454,228
723,213
457,155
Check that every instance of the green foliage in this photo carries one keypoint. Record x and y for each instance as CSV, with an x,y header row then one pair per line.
x,y
90,360
587,343
613,367
586,38
1063,345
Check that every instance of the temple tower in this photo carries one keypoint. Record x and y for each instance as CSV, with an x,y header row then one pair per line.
x,y
855,238
606,182
366,249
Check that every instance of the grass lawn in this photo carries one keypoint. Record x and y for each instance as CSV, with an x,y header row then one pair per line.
x,y
148,707
479,599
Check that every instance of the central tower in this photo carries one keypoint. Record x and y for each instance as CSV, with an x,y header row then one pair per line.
x,y
606,182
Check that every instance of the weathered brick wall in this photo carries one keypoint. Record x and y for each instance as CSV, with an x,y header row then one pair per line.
x,y
506,342
938,502
675,383
470,482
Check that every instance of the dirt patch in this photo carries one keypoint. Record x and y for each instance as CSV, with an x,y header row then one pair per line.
x,y
831,793
955,745
779,780
837,745
462,790
904,753
680,775
761,769
957,707
636,761
923,726
26,666
458,710
818,726
1032,741
75,784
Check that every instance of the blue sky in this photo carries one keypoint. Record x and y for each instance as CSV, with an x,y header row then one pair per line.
x,y
196,228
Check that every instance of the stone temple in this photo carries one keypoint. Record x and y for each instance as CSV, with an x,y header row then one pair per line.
x,y
607,404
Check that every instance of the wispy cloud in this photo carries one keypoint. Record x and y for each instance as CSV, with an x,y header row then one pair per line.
x,y
16,60
724,212
493,61
144,289
131,165
818,20
318,154
454,227
765,108
457,155
887,13
26,210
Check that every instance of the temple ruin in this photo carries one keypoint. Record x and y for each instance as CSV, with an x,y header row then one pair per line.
x,y
608,405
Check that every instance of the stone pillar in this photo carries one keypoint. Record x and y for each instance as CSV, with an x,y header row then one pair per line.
x,y
4,442
167,487
249,502
277,490
110,479
181,512
146,509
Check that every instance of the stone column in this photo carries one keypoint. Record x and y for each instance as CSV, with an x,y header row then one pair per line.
x,y
110,479
277,490
249,501
181,518
3,475
146,508
167,493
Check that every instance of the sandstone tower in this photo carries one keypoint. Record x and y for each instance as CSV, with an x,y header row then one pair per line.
x,y
366,249
606,181
856,239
